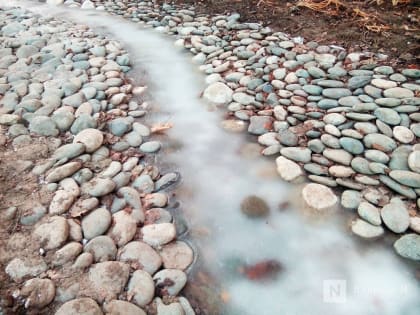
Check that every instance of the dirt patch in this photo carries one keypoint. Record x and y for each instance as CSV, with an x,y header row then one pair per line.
x,y
19,188
401,40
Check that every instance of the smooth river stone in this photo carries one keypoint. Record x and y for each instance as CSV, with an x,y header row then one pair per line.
x,y
350,199
358,82
80,306
158,234
388,102
218,93
91,138
366,230
377,156
401,189
96,223
53,233
297,154
63,171
98,187
369,213
398,92
141,254
141,288
123,308
170,281
338,155
407,178
380,142
388,116
318,196
414,161
107,279
361,165
287,169
383,84
408,246
395,216
336,93
351,145
399,158
403,134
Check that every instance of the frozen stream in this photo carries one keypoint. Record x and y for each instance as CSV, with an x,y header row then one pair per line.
x,y
216,176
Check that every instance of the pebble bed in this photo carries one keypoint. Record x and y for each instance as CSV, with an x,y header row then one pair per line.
x,y
105,226
344,121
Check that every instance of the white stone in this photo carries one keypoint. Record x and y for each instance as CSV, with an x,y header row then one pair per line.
x,y
91,138
287,169
158,234
318,196
403,134
218,93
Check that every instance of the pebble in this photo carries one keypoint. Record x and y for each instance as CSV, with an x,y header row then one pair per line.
x,y
336,93
38,293
351,145
80,306
32,216
96,223
98,187
379,142
388,116
398,92
67,253
63,171
414,161
176,255
61,202
260,125
401,189
18,268
123,228
83,261
150,147
318,196
350,199
158,234
177,278
102,248
287,169
403,134
218,93
43,126
91,138
370,213
52,233
297,154
122,307
366,230
141,254
338,155
408,246
395,215
170,309
108,279
141,288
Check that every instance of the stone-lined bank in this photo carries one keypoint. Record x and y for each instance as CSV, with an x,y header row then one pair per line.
x,y
101,240
341,119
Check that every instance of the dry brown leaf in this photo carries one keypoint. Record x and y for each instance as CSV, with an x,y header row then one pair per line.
x,y
161,127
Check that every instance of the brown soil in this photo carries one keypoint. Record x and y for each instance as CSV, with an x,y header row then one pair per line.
x,y
401,40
